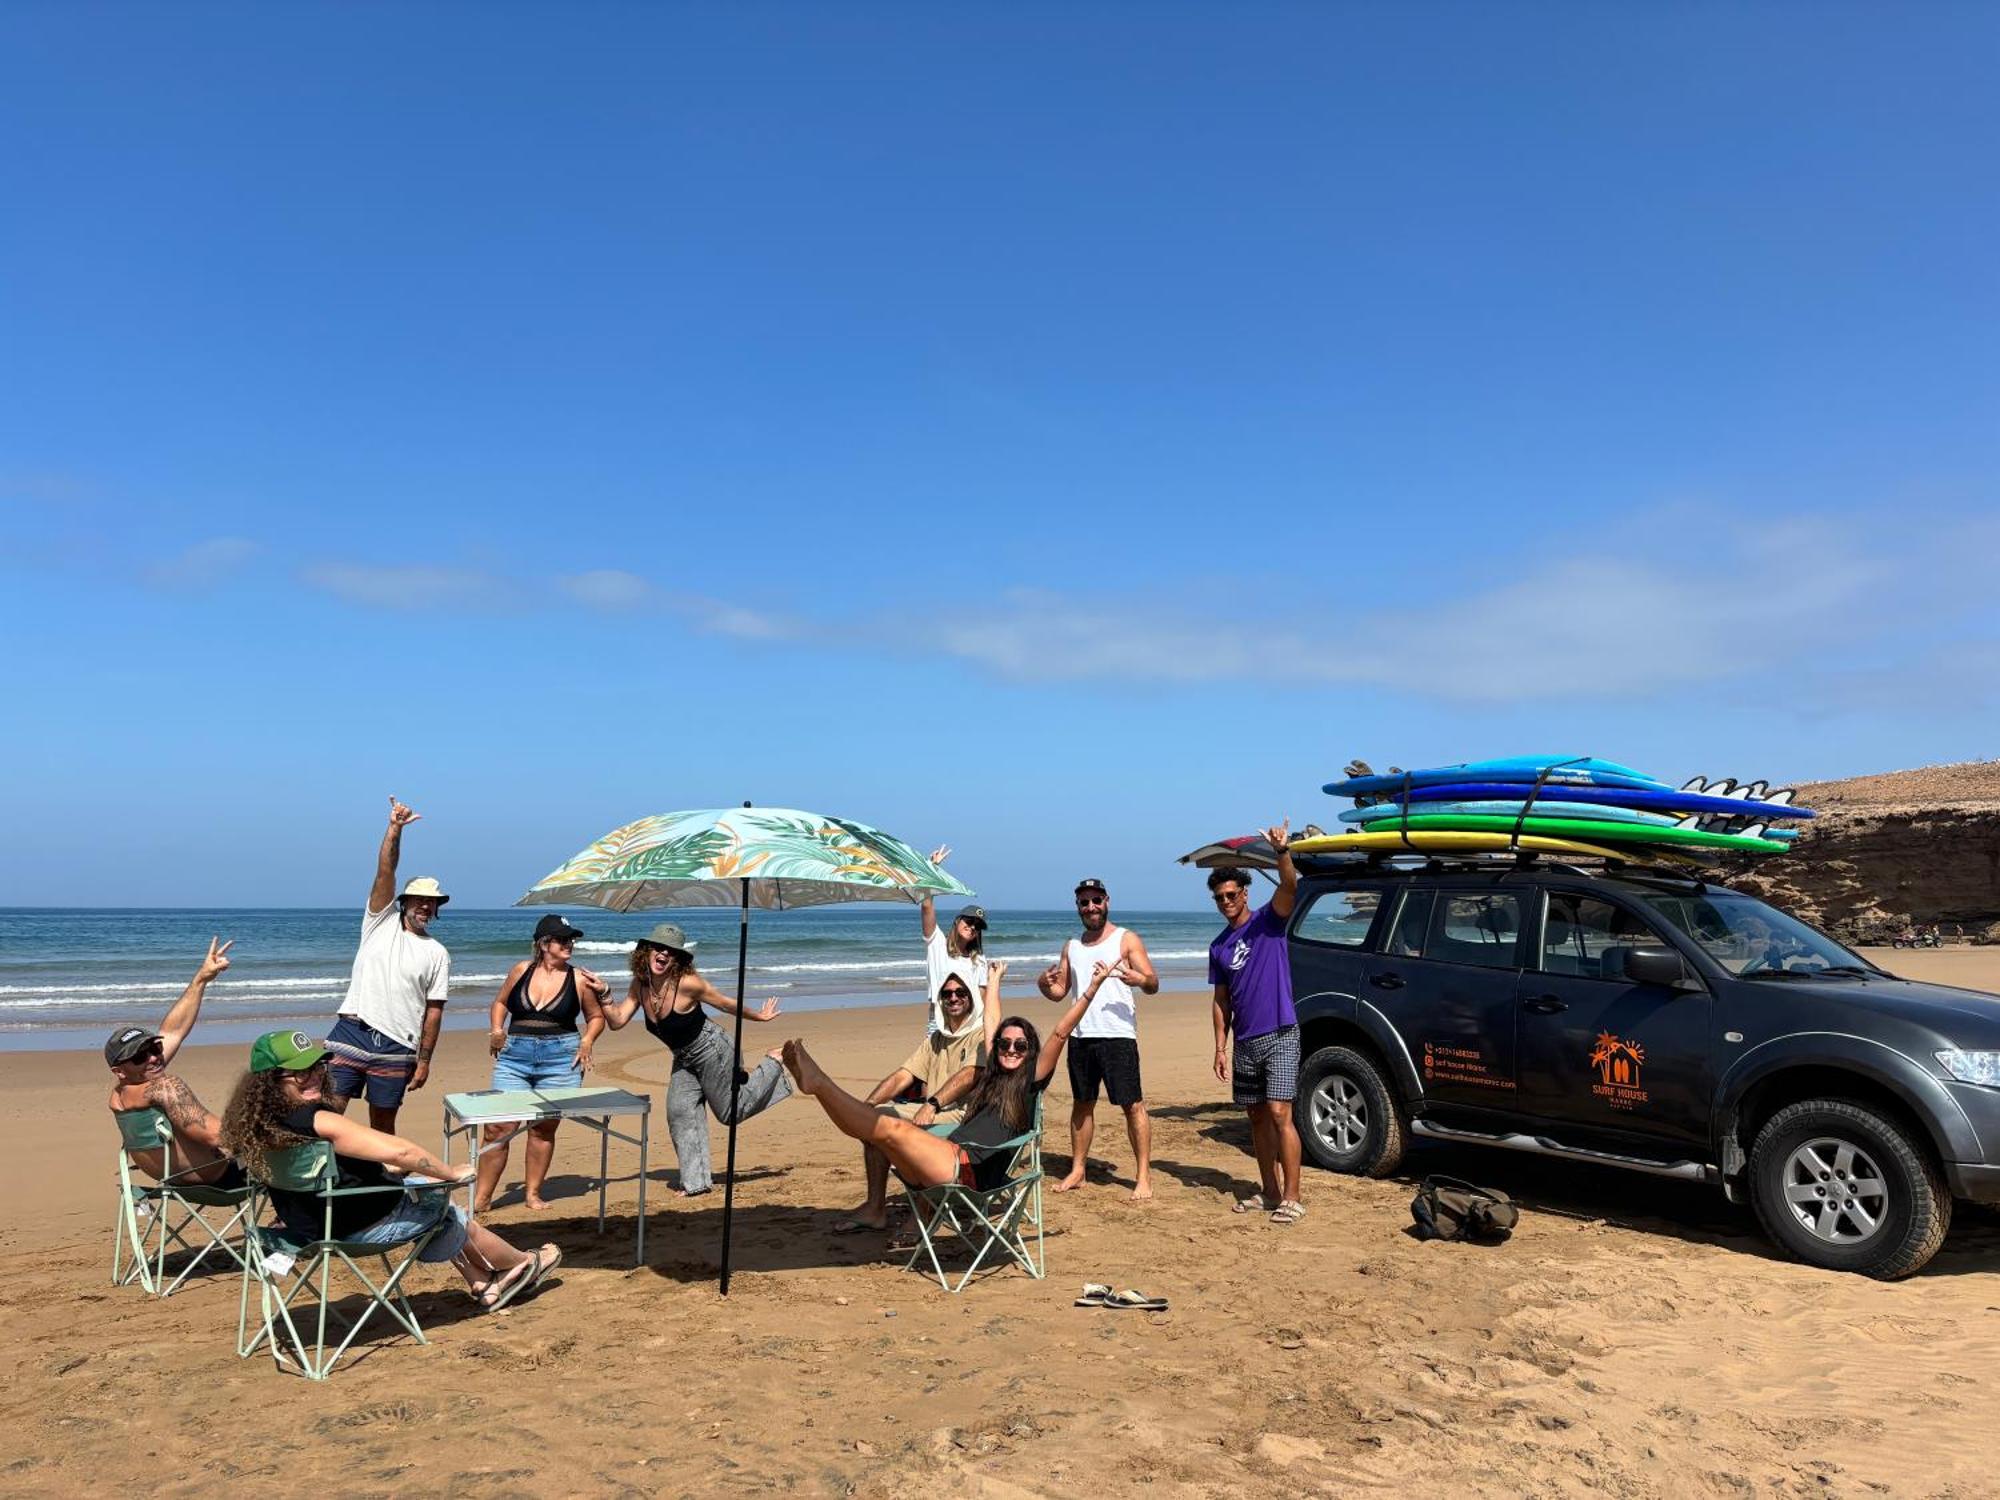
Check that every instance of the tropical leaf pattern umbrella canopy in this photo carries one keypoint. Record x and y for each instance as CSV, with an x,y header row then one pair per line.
x,y
790,858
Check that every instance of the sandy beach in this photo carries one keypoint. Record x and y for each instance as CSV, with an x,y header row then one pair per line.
x,y
1635,1337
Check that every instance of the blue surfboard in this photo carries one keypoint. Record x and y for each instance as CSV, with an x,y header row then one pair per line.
x,y
1598,811
1560,770
1648,799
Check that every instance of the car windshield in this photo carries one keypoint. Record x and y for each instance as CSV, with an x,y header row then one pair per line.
x,y
1749,938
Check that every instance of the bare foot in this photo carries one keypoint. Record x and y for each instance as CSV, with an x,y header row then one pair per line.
x,y
1142,1190
1070,1183
482,1207
806,1073
777,1054
689,1192
536,1200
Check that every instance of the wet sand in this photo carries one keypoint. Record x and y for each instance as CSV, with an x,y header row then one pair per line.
x,y
1635,1337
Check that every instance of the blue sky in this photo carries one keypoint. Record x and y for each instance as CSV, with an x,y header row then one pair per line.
x,y
1068,431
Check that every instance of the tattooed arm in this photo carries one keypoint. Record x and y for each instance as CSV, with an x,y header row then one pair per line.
x,y
189,1117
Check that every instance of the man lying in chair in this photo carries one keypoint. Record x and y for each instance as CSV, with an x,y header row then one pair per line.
x,y
940,1072
141,1085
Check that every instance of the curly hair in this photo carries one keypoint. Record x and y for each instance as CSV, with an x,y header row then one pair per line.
x,y
642,969
254,1122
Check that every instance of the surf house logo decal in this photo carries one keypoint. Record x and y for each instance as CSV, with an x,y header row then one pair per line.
x,y
1618,1060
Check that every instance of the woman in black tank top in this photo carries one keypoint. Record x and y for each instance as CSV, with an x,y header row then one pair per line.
x,y
535,1045
668,994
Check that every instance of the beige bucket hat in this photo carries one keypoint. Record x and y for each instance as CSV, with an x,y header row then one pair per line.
x,y
424,885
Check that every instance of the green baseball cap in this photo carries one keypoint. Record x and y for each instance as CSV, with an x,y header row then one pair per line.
x,y
667,935
292,1051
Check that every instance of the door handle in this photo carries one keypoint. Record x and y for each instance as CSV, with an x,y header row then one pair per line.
x,y
1545,1005
1386,981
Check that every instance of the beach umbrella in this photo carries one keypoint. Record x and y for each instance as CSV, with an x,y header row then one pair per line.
x,y
772,857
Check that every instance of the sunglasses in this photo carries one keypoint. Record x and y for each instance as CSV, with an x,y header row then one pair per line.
x,y
560,942
151,1052
955,994
1218,897
1090,900
1012,1046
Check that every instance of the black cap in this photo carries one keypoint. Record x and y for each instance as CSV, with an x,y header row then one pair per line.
x,y
1091,883
976,915
127,1042
553,926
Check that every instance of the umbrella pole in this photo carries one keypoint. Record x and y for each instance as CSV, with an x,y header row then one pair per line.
x,y
735,1083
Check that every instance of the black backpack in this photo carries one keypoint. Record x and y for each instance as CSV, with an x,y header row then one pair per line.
x,y
1450,1208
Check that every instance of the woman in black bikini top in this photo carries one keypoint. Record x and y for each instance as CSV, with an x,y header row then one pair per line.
x,y
535,1045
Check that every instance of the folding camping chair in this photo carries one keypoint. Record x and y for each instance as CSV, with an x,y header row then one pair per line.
x,y
271,1255
1000,1218
177,1205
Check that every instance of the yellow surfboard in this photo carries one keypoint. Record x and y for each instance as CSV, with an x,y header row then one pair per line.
x,y
1436,841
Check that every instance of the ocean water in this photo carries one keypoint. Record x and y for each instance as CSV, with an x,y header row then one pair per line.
x,y
68,976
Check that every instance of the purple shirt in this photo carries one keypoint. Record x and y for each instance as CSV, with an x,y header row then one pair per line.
x,y
1253,962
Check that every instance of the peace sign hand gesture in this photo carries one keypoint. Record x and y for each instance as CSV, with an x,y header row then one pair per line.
x,y
940,854
216,962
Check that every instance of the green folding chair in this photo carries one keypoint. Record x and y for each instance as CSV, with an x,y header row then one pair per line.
x,y
166,1213
1000,1219
273,1256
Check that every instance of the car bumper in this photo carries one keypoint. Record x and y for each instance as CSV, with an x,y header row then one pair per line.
x,y
1974,1181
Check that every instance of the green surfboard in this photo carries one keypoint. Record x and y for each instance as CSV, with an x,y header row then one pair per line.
x,y
1581,828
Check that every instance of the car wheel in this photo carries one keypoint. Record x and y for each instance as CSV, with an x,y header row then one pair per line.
x,y
1843,1186
1348,1118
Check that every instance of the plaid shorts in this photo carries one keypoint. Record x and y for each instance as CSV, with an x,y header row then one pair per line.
x,y
1266,1069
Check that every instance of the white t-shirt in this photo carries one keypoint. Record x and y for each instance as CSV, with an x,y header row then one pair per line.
x,y
1114,1011
396,973
940,961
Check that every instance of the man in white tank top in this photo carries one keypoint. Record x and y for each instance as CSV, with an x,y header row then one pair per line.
x,y
1104,1052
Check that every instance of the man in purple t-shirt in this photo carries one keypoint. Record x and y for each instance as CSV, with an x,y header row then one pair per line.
x,y
1252,973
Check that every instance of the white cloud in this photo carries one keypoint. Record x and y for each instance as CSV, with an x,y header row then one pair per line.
x,y
715,617
201,566
408,587
609,589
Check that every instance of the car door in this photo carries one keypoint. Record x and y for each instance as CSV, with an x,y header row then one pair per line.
x,y
1446,973
1597,1051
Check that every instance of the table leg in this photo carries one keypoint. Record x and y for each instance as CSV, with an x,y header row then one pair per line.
x,y
645,1129
603,1167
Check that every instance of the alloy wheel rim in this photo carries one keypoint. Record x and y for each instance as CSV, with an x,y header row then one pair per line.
x,y
1835,1191
1340,1115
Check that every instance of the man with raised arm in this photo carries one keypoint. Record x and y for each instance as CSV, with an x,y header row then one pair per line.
x,y
1252,973
139,1059
387,1027
1104,1053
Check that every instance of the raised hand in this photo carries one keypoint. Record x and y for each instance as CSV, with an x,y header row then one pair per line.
x,y
1279,837
940,854
768,1011
216,962
399,815
996,969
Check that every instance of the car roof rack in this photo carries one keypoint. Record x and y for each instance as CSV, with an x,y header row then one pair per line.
x,y
1493,862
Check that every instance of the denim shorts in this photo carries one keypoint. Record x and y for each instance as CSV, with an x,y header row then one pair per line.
x,y
412,1215
538,1062
369,1063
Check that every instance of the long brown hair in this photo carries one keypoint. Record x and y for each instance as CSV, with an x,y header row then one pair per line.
x,y
1012,1089
254,1122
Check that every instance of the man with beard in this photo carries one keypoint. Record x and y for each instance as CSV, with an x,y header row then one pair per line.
x,y
1105,1050
138,1059
387,1027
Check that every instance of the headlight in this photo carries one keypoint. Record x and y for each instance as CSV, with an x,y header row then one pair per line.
x,y
1972,1067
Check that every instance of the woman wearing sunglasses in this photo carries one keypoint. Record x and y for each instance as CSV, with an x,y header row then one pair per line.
x,y
535,1045
283,1101
668,993
1000,1107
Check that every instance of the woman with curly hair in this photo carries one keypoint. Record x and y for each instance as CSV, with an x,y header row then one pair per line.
x,y
1000,1108
283,1102
670,995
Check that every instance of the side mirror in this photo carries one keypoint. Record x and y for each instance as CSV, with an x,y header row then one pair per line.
x,y
1661,966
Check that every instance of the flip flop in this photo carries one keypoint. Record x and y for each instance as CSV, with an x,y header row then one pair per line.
x,y
541,1271
1094,1295
1137,1301
503,1288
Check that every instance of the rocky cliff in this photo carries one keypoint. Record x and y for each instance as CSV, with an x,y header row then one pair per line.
x,y
1907,847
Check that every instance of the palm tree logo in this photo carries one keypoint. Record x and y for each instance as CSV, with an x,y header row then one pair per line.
x,y
1617,1060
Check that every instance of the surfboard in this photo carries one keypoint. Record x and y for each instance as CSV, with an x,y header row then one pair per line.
x,y
1634,797
1431,841
1497,808
1599,832
1561,770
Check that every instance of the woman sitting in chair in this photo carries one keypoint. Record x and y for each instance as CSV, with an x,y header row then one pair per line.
x,y
1000,1108
282,1102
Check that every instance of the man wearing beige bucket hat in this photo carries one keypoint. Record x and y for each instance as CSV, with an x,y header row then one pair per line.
x,y
382,1039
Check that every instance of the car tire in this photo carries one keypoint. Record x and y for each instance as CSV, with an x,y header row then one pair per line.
x,y
1823,1171
1347,1115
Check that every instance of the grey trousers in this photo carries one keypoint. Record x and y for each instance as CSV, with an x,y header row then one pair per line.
x,y
701,1078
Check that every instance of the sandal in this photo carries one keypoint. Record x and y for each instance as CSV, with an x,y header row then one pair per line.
x,y
542,1269
1137,1301
504,1288
1288,1212
1095,1294
1256,1203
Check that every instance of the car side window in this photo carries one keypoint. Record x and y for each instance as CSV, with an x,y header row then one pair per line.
x,y
1337,918
1588,938
1474,928
1413,917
